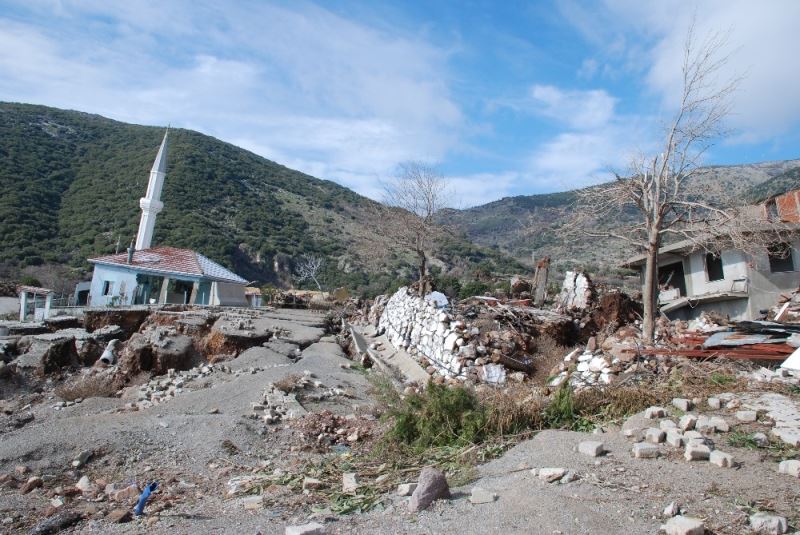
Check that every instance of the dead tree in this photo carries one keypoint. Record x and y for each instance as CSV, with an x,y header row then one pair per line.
x,y
414,196
309,267
657,187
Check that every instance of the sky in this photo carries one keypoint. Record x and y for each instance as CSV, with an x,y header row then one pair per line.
x,y
504,98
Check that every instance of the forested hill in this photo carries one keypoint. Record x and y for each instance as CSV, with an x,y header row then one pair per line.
x,y
70,184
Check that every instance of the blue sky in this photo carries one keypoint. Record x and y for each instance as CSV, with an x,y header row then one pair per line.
x,y
507,98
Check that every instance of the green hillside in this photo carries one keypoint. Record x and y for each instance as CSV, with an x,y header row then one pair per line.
x,y
70,184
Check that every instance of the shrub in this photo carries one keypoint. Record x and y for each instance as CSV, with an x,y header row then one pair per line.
x,y
439,416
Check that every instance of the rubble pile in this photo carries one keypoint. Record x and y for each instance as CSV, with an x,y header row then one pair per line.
x,y
165,388
787,310
481,341
325,428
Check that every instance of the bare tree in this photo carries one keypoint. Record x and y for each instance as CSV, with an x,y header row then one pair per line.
x,y
414,196
308,267
657,187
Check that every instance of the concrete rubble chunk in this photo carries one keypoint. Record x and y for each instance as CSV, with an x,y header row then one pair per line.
x,y
689,435
33,482
714,403
723,460
747,416
654,435
432,485
682,404
312,528
684,525
479,496
642,450
651,413
696,452
119,516
82,459
674,438
592,448
349,482
768,524
569,477
790,467
551,475
720,424
667,424
687,422
84,484
406,489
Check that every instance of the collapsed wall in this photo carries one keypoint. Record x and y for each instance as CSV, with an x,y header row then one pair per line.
x,y
431,334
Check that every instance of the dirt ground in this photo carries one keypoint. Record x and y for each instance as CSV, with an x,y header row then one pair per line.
x,y
194,444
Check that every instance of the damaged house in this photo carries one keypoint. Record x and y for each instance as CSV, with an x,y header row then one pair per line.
x,y
729,281
147,275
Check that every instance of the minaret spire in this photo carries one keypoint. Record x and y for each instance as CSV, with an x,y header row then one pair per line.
x,y
151,203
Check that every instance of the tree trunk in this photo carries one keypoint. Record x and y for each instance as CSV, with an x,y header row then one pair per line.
x,y
423,265
650,293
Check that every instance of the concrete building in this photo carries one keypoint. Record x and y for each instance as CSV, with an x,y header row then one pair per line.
x,y
730,282
161,275
164,275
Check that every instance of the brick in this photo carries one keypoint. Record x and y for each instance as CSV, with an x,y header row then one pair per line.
x,y
654,435
652,413
697,452
592,448
687,422
723,460
674,438
667,424
642,450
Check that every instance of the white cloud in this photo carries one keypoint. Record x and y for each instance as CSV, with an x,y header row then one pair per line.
x,y
481,188
582,110
763,42
295,83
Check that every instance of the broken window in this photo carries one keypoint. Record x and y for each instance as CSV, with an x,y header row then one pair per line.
x,y
714,267
108,286
780,258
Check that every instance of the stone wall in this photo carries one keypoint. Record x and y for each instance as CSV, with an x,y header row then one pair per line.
x,y
436,339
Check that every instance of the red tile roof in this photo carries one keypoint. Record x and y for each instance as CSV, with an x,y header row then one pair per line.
x,y
172,260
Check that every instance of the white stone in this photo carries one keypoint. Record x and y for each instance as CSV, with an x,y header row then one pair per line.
x,y
652,413
597,364
684,525
674,438
643,450
687,422
720,424
704,425
592,448
714,403
312,528
768,524
673,509
696,452
654,435
665,425
746,416
791,467
682,404
349,482
723,460
689,435
479,496
84,484
551,474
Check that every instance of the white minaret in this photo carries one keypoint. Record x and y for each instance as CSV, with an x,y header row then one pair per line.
x,y
151,203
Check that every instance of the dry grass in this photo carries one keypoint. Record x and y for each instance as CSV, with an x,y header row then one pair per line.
x,y
514,409
289,383
549,353
88,386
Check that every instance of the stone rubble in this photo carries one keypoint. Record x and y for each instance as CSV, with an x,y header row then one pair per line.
x,y
768,524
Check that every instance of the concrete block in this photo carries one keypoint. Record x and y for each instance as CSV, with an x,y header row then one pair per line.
x,y
688,435
723,460
651,413
592,448
667,424
687,422
714,403
551,474
674,438
684,525
720,424
682,404
696,452
480,496
642,450
654,435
